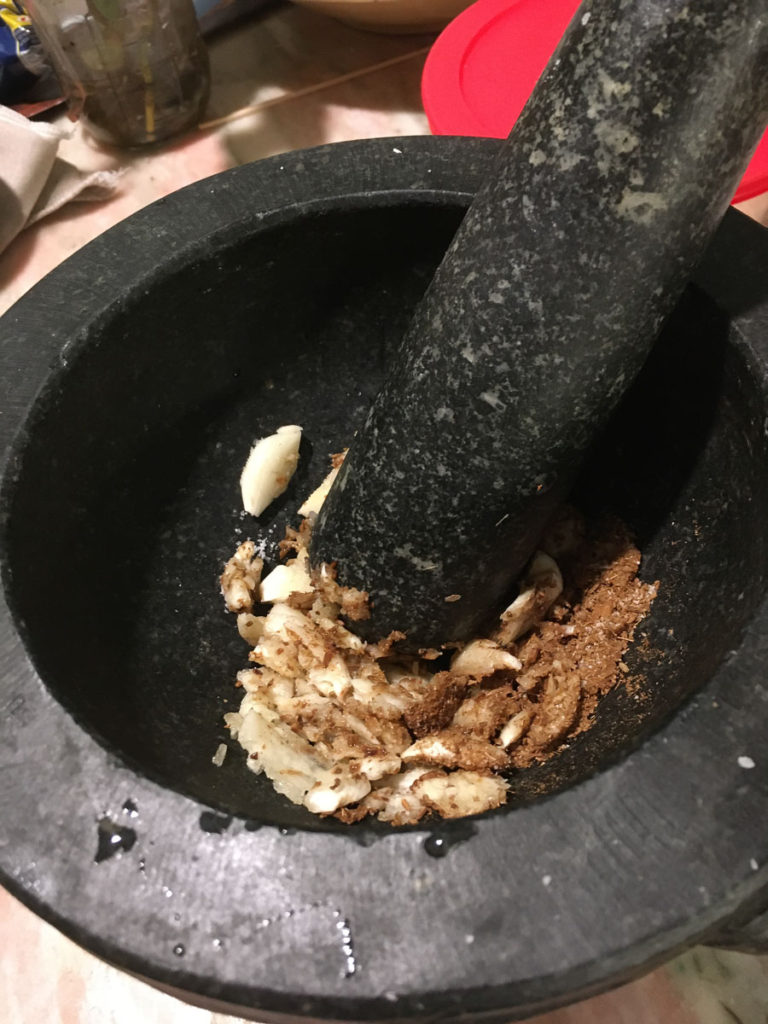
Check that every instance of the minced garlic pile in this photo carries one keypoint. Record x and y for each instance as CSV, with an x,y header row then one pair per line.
x,y
349,728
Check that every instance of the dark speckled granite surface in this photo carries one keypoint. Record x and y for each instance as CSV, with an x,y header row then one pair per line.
x,y
545,307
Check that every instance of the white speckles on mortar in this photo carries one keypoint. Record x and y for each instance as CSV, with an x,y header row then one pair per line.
x,y
421,564
492,398
618,81
616,138
570,160
641,207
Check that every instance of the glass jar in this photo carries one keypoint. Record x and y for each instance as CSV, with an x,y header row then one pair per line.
x,y
135,70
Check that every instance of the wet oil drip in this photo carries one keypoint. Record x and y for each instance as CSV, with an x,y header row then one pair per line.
x,y
178,950
341,924
348,950
364,837
112,838
214,824
440,843
130,808
436,846
286,915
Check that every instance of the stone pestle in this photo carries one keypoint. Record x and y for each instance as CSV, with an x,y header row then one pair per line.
x,y
545,307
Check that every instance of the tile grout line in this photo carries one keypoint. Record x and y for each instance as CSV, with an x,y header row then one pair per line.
x,y
309,90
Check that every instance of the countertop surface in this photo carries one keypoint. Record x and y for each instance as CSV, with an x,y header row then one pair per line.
x,y
284,80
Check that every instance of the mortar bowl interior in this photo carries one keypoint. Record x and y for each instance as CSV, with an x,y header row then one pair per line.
x,y
126,502
134,380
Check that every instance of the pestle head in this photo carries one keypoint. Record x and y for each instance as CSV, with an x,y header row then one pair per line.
x,y
545,308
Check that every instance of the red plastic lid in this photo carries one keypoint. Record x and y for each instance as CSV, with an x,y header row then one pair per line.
x,y
483,66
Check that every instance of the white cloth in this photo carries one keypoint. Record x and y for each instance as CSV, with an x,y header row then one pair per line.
x,y
34,180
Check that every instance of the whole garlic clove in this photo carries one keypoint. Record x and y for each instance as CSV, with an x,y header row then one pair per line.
x,y
269,468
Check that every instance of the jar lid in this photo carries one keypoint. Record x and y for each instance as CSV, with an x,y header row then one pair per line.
x,y
483,66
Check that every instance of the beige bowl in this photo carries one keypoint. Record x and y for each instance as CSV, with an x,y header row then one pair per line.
x,y
390,15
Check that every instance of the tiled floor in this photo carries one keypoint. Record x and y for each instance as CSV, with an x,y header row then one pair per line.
x,y
309,80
